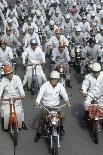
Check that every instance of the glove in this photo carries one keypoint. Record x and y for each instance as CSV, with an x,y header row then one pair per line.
x,y
36,104
68,104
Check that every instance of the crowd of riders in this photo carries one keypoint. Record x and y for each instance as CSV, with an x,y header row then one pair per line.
x,y
59,34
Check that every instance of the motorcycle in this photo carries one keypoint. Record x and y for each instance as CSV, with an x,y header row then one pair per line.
x,y
78,56
95,116
41,35
72,51
14,122
61,69
52,128
1,72
33,81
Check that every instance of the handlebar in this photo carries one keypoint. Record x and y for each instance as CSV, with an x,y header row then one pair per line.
x,y
13,99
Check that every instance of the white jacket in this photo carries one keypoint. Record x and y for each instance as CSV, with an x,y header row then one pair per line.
x,y
13,88
6,56
50,96
91,84
37,56
53,41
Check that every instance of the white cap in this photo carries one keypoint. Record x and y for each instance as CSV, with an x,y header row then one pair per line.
x,y
52,22
9,20
67,16
78,28
96,67
38,13
93,14
55,75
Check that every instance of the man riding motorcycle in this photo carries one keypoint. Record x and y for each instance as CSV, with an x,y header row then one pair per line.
x,y
49,96
6,53
11,87
60,56
93,85
34,55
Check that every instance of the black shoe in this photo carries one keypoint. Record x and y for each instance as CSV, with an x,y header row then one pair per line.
x,y
24,126
62,132
36,139
86,116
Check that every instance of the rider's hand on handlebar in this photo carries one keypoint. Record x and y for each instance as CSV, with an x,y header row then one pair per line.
x,y
24,66
68,104
36,104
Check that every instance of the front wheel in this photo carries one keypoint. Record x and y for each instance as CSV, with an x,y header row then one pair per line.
x,y
14,134
54,150
95,128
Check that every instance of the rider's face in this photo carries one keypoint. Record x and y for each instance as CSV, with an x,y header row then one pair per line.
x,y
58,35
54,82
61,49
9,76
96,74
33,46
3,46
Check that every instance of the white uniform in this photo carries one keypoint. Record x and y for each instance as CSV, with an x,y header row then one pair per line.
x,y
53,41
26,26
92,86
9,89
34,57
6,56
28,37
50,96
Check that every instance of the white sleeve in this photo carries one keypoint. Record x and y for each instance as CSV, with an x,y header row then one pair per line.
x,y
40,94
85,85
63,93
20,87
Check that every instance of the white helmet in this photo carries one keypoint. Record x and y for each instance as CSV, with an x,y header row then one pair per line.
x,y
55,75
52,22
93,14
78,28
96,67
67,16
38,13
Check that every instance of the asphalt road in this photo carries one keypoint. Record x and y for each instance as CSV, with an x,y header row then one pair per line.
x,y
77,140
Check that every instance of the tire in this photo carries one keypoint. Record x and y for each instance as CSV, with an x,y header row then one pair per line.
x,y
95,128
15,134
55,146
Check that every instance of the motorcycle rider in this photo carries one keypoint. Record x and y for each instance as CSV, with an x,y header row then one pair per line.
x,y
50,29
11,87
38,19
6,53
34,55
60,55
99,36
54,40
68,25
91,53
11,39
92,86
58,19
27,24
29,35
49,96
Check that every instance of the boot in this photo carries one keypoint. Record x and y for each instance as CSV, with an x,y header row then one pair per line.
x,y
62,131
86,116
2,123
68,84
37,137
24,126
